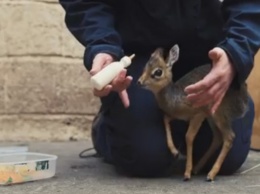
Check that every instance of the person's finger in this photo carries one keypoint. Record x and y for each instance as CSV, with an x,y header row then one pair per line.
x,y
121,82
193,97
205,97
123,94
213,101
97,65
120,78
204,84
124,97
99,62
217,103
128,81
202,103
104,92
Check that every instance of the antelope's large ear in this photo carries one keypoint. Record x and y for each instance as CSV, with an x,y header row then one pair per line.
x,y
158,53
173,55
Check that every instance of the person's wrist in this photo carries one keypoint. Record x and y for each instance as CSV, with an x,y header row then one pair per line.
x,y
233,79
231,67
232,70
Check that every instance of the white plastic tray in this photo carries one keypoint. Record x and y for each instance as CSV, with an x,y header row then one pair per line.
x,y
26,166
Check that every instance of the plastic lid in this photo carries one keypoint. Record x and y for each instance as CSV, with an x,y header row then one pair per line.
x,y
13,158
13,149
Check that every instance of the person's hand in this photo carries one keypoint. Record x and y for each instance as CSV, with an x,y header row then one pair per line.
x,y
213,87
119,84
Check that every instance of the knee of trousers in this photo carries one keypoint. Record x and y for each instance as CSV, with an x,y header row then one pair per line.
x,y
142,161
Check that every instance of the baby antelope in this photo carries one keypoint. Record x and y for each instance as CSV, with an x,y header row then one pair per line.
x,y
171,98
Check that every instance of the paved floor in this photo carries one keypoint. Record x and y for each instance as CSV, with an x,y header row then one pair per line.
x,y
83,176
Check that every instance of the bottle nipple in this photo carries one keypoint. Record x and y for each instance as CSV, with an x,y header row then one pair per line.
x,y
126,61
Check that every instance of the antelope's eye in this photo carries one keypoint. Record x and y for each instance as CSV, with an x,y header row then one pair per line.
x,y
157,73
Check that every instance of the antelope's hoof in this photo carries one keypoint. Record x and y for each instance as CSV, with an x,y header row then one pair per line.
x,y
209,179
187,177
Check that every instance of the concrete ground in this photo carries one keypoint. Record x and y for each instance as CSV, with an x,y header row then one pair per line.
x,y
83,176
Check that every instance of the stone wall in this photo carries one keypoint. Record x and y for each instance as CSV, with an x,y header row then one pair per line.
x,y
44,87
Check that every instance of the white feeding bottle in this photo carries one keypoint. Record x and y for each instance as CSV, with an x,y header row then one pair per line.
x,y
108,73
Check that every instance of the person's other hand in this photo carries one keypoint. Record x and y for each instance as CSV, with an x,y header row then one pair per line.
x,y
119,84
214,86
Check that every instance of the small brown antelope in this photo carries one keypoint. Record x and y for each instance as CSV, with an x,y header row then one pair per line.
x,y
171,98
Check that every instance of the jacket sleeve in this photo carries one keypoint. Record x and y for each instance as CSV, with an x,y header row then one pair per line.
x,y
91,22
242,34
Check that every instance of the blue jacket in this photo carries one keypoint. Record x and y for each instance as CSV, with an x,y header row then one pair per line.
x,y
122,27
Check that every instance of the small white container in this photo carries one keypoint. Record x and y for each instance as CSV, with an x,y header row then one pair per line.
x,y
24,167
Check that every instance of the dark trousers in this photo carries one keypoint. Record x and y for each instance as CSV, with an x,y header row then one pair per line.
x,y
134,139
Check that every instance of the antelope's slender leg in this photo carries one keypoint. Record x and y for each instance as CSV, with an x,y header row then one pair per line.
x,y
216,142
194,126
170,143
228,137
